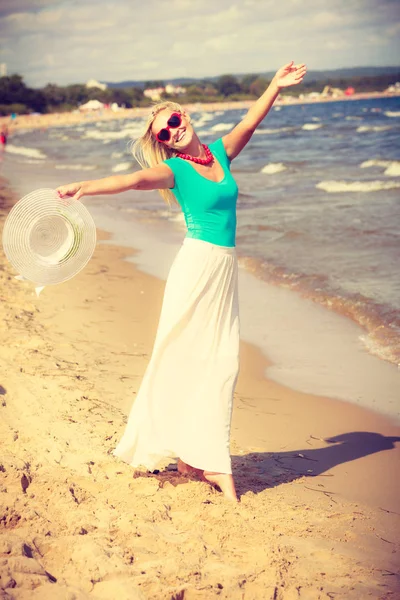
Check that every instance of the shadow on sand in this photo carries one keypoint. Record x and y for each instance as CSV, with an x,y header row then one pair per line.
x,y
259,470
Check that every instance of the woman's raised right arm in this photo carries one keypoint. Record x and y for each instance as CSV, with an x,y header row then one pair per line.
x,y
156,178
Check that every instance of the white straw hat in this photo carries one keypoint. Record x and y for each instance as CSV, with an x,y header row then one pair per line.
x,y
48,239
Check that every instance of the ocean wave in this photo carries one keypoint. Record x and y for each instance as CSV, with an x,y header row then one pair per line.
x,y
223,126
273,131
380,322
121,167
207,116
205,132
203,119
392,167
356,186
129,210
32,161
311,126
392,113
365,128
177,217
23,151
76,167
98,134
272,168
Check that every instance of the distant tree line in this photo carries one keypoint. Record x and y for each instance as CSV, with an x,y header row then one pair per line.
x,y
17,97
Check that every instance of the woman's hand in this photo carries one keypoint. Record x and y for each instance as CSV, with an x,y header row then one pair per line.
x,y
290,74
76,190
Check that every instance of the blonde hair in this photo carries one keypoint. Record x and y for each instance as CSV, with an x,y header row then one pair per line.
x,y
149,152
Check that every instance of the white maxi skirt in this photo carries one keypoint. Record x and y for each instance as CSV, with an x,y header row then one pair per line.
x,y
184,405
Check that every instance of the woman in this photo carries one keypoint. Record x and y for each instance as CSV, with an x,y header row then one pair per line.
x,y
184,405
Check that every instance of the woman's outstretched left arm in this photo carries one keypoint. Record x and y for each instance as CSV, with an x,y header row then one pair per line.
x,y
236,140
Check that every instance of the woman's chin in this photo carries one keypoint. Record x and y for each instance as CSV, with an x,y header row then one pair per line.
x,y
183,145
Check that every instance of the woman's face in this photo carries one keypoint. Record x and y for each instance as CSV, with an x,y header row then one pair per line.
x,y
180,137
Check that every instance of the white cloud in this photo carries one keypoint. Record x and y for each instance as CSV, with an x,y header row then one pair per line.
x,y
68,42
223,43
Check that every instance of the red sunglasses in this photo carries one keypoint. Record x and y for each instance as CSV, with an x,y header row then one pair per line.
x,y
173,122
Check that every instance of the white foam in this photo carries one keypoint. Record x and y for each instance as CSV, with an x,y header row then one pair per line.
x,y
365,128
272,131
23,151
311,126
223,126
204,132
272,168
392,167
206,116
76,167
374,163
128,132
177,217
121,167
335,187
117,155
203,119
353,118
32,161
392,113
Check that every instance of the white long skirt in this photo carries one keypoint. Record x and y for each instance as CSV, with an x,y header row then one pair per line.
x,y
184,406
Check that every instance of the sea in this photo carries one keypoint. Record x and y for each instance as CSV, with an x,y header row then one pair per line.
x,y
318,235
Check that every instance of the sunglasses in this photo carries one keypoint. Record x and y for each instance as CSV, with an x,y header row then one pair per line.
x,y
173,122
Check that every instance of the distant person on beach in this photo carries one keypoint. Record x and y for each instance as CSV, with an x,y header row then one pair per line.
x,y
3,138
183,408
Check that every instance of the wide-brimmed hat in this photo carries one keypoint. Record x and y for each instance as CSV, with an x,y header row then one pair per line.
x,y
48,239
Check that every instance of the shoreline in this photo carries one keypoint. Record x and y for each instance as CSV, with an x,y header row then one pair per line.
x,y
315,515
286,317
40,121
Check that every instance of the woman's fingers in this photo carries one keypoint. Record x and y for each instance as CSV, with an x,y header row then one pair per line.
x,y
68,190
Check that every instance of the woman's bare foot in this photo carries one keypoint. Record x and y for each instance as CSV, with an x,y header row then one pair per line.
x,y
224,481
185,469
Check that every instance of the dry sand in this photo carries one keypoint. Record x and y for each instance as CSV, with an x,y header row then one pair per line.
x,y
317,519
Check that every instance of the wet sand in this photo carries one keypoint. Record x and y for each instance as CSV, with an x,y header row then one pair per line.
x,y
317,478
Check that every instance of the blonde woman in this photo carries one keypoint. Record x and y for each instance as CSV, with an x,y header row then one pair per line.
x,y
183,409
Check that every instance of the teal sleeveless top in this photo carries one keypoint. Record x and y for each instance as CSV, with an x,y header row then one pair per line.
x,y
209,207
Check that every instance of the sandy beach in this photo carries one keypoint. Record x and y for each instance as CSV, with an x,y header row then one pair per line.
x,y
42,121
319,514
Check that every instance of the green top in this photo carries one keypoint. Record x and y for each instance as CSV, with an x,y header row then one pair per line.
x,y
209,207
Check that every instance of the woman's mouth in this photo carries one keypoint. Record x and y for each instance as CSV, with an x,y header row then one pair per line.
x,y
180,136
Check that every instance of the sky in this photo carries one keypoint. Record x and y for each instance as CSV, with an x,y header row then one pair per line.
x,y
71,41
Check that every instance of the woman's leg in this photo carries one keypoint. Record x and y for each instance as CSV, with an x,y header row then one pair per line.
x,y
186,469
